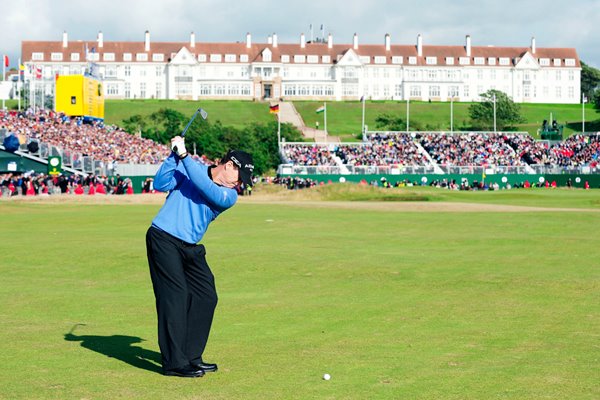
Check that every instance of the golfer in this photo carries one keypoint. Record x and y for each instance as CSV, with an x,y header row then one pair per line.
x,y
183,283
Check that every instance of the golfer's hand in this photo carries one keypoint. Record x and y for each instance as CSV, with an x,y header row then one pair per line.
x,y
178,146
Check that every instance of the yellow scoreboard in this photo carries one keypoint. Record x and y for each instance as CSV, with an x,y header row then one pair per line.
x,y
80,96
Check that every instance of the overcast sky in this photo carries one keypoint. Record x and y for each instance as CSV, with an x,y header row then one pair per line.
x,y
554,23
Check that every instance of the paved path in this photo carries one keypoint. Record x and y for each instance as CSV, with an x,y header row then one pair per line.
x,y
289,114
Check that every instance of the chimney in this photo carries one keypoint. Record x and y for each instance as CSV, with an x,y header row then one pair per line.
x,y
248,40
355,42
192,39
419,45
269,39
302,41
274,40
388,45
533,45
147,41
468,46
100,39
330,41
65,39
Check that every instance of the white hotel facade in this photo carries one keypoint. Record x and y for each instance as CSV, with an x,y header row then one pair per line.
x,y
309,70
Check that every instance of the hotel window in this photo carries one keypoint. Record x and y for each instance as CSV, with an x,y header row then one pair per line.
x,y
386,91
365,59
111,71
491,60
480,74
415,91
434,91
300,59
158,90
158,70
205,89
215,58
464,61
74,56
545,62
412,60
201,57
127,90
233,90
571,75
56,57
109,56
312,59
493,74
453,91
397,60
285,59
37,56
569,62
558,75
127,57
289,90
244,58
526,91
432,74
219,90
142,71
328,90
266,55
229,57
380,60
449,60
557,62
479,61
143,90
158,57
571,92
558,91
386,72
245,90
375,72
375,90
431,60
504,61
326,59
466,90
398,90
317,90
112,89
128,70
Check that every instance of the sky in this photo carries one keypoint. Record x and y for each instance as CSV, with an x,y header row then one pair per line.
x,y
554,23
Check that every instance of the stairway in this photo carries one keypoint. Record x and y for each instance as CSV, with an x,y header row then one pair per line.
x,y
289,114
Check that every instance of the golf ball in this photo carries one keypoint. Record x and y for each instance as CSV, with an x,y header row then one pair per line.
x,y
327,377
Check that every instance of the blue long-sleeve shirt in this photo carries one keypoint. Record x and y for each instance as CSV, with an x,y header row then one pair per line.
x,y
194,200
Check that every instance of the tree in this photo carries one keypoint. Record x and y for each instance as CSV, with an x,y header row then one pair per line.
x,y
590,81
390,122
507,112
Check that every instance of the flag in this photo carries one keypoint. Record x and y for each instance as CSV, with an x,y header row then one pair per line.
x,y
38,72
320,109
362,98
21,67
6,61
274,109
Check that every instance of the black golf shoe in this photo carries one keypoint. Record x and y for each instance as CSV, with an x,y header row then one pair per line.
x,y
206,367
189,371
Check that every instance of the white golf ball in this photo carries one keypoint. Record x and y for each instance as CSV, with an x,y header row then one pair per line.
x,y
327,377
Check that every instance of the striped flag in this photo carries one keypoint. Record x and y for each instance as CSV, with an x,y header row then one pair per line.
x,y
320,109
274,109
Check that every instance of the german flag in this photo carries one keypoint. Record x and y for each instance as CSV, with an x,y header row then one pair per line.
x,y
274,109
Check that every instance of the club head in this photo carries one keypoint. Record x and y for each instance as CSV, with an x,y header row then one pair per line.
x,y
203,113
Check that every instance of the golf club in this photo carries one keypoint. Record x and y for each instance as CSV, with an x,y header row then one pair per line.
x,y
203,114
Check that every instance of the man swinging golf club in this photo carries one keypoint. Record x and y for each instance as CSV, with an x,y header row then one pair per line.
x,y
183,283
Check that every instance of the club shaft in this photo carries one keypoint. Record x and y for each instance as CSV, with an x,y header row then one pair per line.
x,y
190,123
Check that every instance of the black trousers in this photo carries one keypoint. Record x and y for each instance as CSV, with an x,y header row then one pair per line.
x,y
186,297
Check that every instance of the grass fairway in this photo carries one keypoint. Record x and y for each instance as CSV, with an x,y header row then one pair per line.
x,y
392,304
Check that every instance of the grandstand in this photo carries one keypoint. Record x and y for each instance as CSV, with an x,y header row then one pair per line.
x,y
419,156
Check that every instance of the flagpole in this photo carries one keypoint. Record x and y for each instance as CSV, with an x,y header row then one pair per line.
x,y
18,85
583,112
494,112
407,113
278,132
363,116
325,106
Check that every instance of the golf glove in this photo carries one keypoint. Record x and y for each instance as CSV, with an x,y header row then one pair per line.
x,y
178,147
